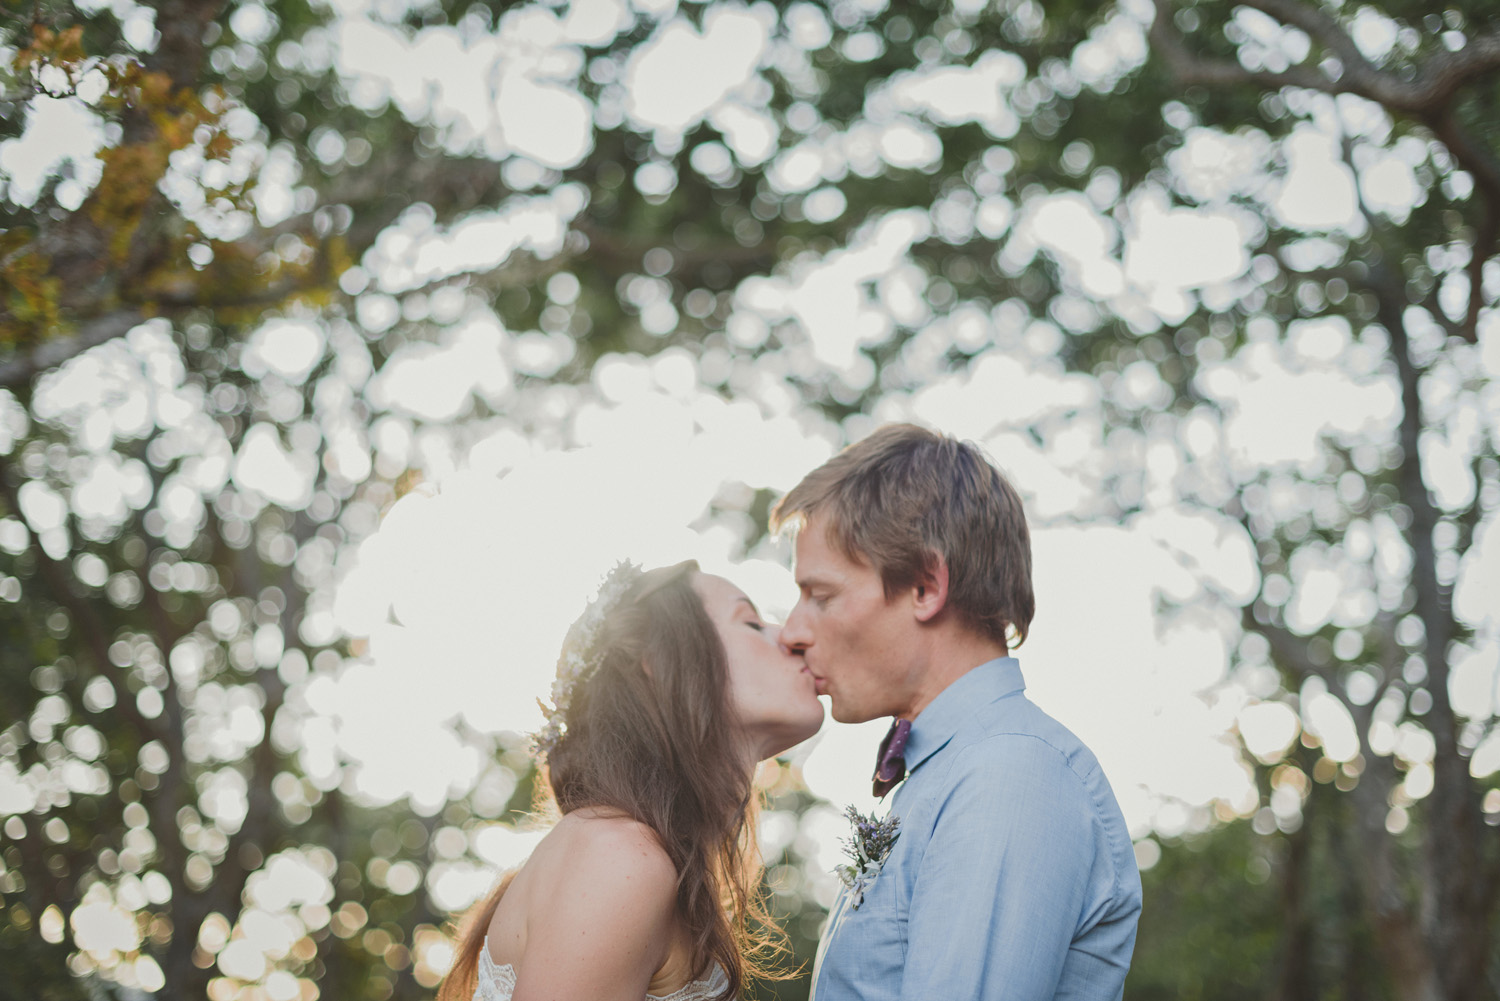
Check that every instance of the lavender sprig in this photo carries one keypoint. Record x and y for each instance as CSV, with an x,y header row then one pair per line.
x,y
868,849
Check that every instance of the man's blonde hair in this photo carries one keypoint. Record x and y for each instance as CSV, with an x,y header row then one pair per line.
x,y
904,495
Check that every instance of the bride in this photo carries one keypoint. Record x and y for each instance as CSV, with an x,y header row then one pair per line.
x,y
670,688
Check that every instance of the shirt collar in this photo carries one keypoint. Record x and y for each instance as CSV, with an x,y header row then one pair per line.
x,y
937,724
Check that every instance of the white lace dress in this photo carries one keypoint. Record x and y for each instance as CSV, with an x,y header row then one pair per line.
x,y
498,983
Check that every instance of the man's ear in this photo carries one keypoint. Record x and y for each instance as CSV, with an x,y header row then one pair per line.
x,y
930,592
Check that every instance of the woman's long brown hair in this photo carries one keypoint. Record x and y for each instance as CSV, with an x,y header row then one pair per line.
x,y
650,735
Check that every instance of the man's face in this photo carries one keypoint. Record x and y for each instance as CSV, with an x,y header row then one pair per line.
x,y
860,648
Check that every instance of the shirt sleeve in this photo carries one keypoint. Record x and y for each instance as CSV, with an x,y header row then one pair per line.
x,y
1004,878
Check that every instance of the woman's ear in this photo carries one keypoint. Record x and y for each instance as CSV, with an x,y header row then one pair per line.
x,y
930,592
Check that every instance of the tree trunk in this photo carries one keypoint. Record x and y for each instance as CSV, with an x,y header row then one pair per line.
x,y
1296,978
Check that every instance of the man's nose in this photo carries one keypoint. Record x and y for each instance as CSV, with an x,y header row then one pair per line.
x,y
795,636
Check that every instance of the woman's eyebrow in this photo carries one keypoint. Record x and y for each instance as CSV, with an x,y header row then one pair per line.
x,y
751,604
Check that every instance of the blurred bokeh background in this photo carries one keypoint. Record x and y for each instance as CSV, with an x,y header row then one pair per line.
x,y
345,344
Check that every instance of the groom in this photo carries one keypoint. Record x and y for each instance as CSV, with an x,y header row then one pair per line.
x,y
1013,875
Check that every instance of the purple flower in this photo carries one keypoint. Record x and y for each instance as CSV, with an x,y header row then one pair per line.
x,y
868,849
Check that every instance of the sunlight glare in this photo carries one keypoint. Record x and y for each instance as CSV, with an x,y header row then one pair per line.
x,y
717,61
58,131
1317,192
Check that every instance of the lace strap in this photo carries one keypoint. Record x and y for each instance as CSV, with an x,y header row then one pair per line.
x,y
698,990
497,982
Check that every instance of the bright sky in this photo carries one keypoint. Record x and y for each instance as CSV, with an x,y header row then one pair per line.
x,y
466,587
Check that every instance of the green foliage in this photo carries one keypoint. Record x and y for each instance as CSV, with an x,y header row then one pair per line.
x,y
1211,927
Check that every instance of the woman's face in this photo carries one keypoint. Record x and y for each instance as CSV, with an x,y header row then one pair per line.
x,y
770,689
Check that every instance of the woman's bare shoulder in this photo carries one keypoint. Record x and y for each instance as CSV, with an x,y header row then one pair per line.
x,y
600,911
599,854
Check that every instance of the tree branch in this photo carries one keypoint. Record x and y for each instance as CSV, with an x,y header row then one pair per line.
x,y
1435,82
1445,73
1326,31
377,197
1485,170
57,350
54,352
381,192
1191,69
1427,98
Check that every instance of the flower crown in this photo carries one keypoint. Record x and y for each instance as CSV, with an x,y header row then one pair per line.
x,y
581,654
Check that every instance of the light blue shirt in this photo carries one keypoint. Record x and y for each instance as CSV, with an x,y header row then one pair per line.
x,y
1013,876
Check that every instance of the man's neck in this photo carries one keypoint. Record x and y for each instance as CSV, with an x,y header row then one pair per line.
x,y
951,656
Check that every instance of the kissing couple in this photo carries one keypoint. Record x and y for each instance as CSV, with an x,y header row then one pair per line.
x,y
1003,868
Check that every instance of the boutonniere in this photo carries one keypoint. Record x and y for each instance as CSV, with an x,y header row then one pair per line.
x,y
868,849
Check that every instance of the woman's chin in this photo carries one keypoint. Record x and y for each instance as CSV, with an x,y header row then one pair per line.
x,y
811,726
791,736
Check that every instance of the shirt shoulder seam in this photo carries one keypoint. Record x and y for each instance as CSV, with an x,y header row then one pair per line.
x,y
1117,889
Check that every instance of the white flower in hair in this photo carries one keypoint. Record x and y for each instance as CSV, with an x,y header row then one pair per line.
x,y
581,655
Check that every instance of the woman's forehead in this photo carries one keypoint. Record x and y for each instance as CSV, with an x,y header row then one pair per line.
x,y
718,594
